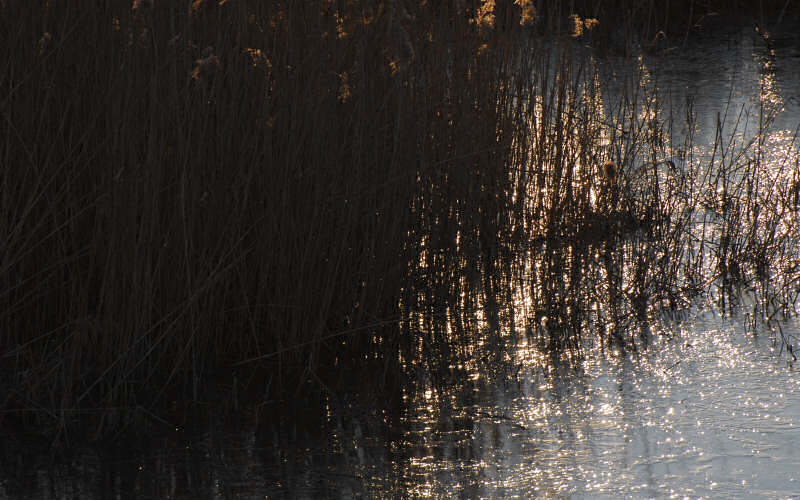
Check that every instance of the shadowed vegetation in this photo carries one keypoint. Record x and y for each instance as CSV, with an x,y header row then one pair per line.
x,y
267,193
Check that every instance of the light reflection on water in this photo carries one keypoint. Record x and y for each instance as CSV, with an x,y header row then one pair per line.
x,y
708,413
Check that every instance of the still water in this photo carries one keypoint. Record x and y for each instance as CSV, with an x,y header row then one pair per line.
x,y
710,409
706,413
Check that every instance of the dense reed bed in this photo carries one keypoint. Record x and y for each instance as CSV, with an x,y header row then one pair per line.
x,y
221,191
266,193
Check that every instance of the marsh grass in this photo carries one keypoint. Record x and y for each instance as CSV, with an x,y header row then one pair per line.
x,y
260,195
230,185
612,218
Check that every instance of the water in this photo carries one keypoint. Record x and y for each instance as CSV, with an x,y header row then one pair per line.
x,y
708,410
707,413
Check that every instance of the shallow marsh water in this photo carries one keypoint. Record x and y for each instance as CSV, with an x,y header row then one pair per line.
x,y
708,410
707,413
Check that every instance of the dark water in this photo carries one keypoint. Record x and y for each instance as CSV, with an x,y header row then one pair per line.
x,y
708,411
711,409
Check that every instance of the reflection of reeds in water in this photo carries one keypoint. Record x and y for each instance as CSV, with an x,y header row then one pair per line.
x,y
322,188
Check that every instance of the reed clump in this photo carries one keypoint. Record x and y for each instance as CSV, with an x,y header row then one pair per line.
x,y
270,193
606,224
228,189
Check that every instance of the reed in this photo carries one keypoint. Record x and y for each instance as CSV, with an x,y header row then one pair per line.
x,y
610,218
186,191
267,193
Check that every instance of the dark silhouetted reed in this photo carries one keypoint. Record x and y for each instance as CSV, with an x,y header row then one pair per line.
x,y
269,193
